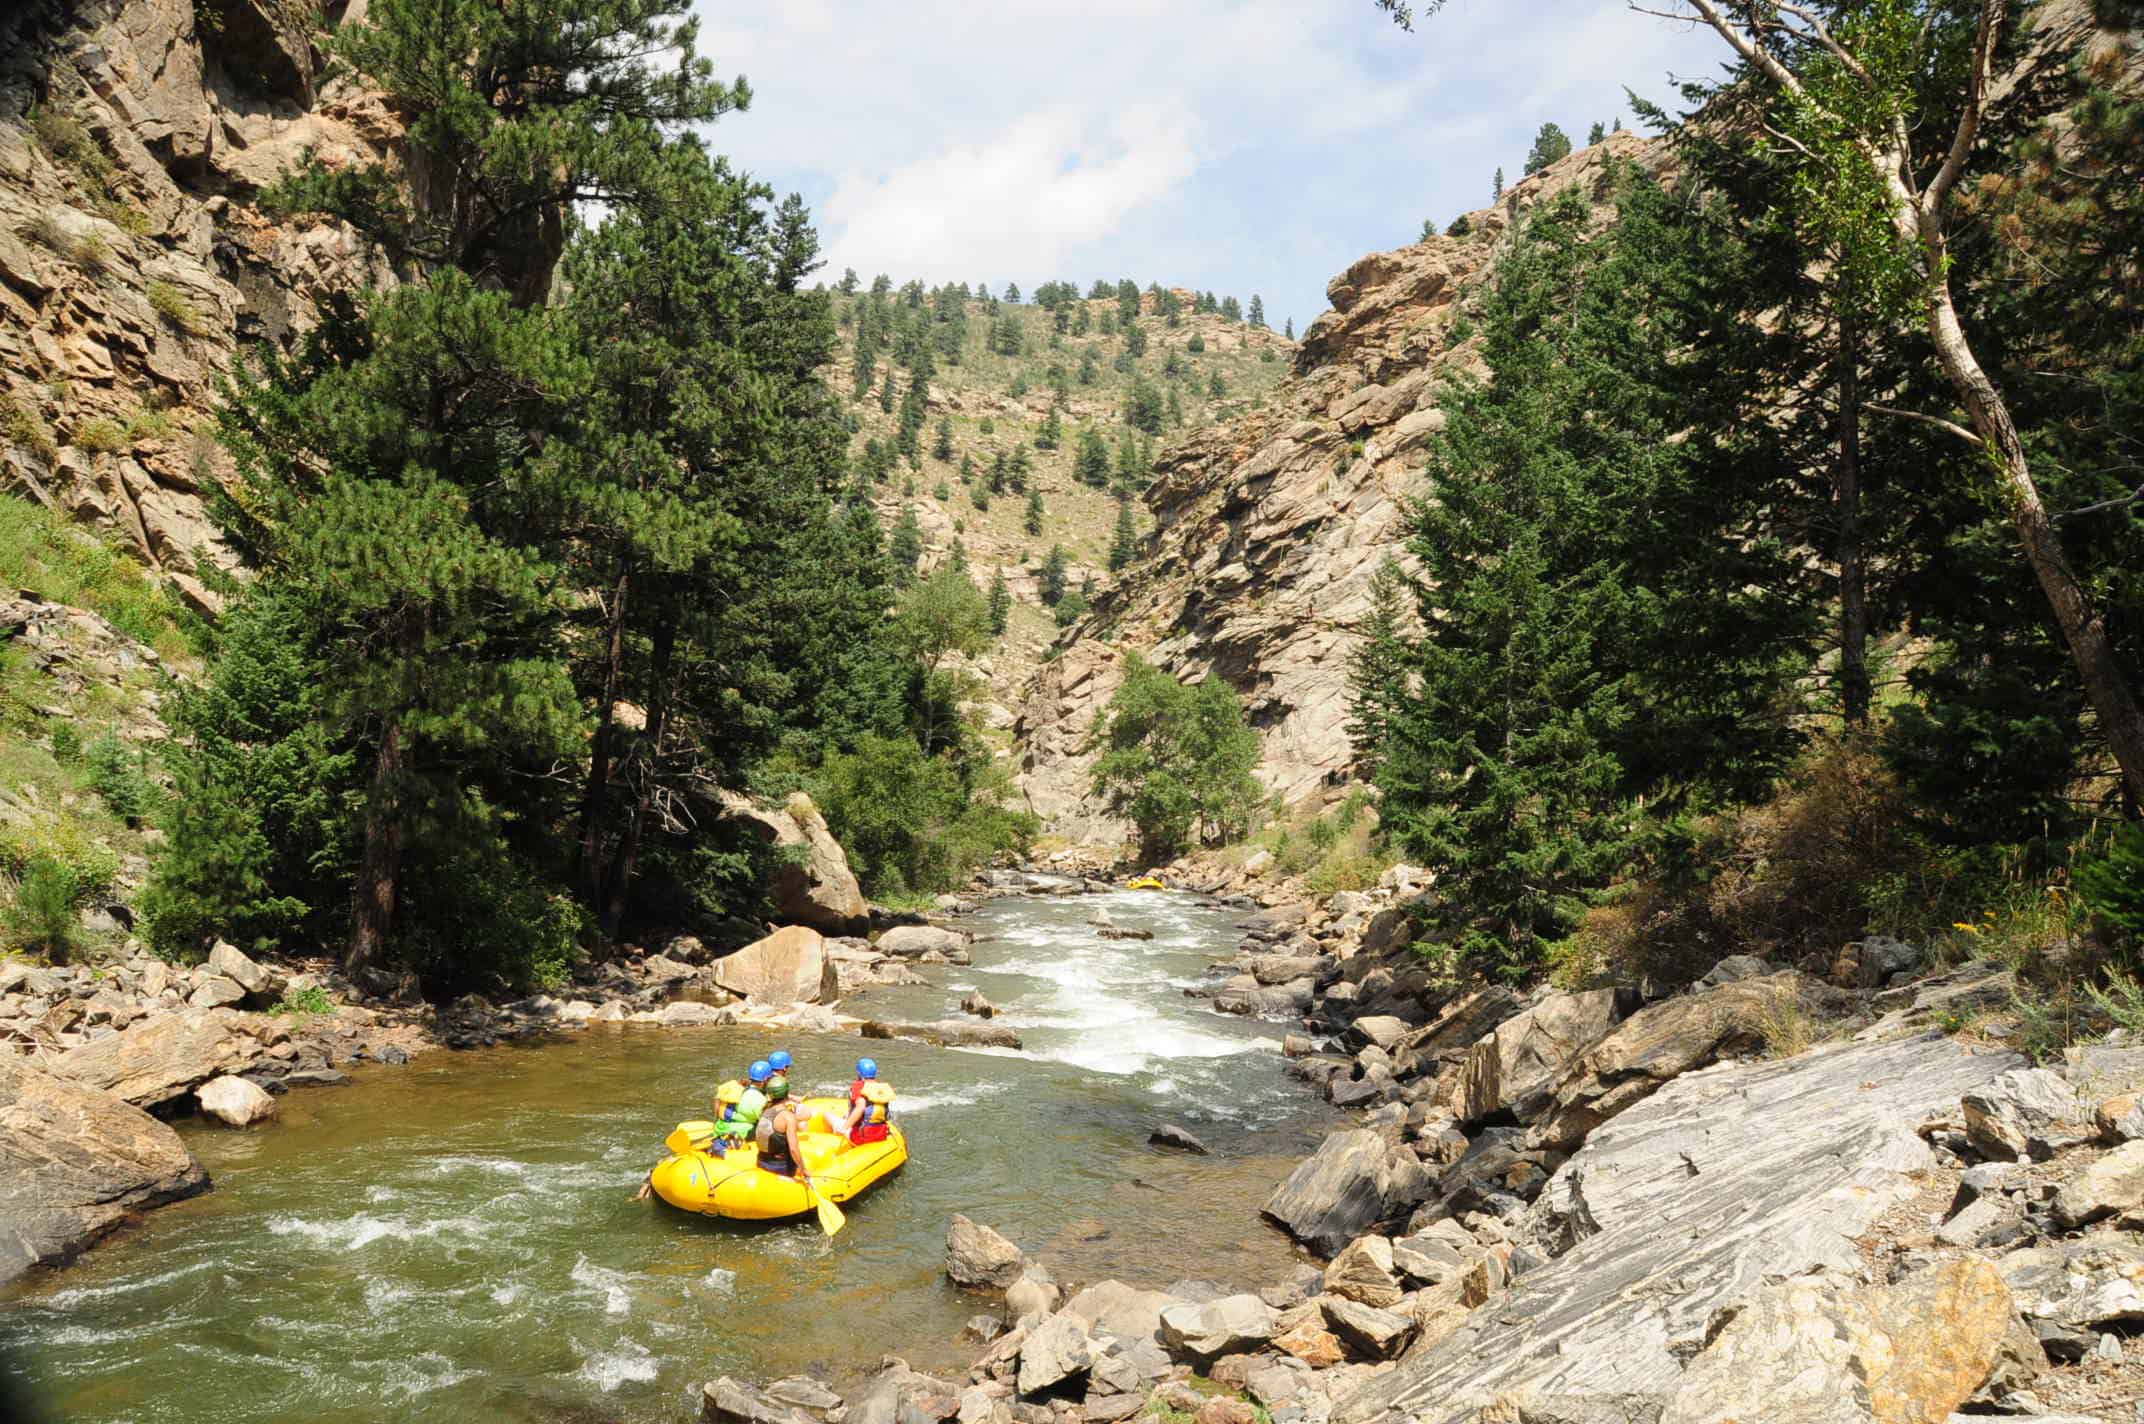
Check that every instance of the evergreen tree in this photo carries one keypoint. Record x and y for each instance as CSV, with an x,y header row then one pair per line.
x,y
1132,469
885,394
1597,134
1496,189
1550,145
1000,604
1577,656
1176,408
1052,580
1091,463
1256,316
1033,522
905,549
848,283
1124,543
1012,294
1143,407
1288,331
942,445
1134,341
1216,388
1053,431
998,472
1377,669
1231,309
1023,464
1089,369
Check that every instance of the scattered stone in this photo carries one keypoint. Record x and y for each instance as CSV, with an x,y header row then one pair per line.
x,y
216,992
1312,1344
1873,962
1222,1409
689,1013
227,960
1170,1135
1735,968
1221,1327
2021,1114
977,1005
1033,1294
2113,1184
659,970
946,1033
910,941
234,1101
977,1256
1513,1070
1366,1330
2120,1118
1383,1030
1363,1271
316,1078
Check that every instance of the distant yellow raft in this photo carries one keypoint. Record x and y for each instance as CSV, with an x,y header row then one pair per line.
x,y
1145,882
693,1178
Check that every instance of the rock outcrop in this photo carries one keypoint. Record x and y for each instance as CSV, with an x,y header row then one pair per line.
x,y
134,258
74,1161
172,1054
1270,528
788,966
1680,1208
812,883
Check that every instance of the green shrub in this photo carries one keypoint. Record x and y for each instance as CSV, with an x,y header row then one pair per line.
x,y
912,823
2112,885
100,436
312,999
173,306
41,920
24,427
130,218
68,140
66,744
116,774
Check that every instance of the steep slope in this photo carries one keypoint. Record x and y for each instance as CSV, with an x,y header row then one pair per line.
x,y
135,136
1269,527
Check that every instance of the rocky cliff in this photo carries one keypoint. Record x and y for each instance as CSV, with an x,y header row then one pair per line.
x,y
1269,528
135,138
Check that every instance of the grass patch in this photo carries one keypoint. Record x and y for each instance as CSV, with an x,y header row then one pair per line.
x,y
99,435
130,218
305,1002
42,554
150,423
68,141
173,305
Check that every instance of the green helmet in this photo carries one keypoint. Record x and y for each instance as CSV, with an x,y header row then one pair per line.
x,y
777,1088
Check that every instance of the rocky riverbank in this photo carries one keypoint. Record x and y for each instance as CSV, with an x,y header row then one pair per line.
x,y
1769,1194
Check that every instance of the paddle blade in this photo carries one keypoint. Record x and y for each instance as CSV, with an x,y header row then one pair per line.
x,y
830,1218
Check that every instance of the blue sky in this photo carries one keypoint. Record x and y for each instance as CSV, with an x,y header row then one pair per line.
x,y
1258,146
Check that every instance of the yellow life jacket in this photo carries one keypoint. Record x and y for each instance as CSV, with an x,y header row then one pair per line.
x,y
727,1096
878,1103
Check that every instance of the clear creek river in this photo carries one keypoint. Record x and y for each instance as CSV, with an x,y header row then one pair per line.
x,y
453,1240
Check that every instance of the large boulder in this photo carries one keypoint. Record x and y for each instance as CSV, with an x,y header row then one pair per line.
x,y
1680,1207
170,1055
235,1102
256,979
1337,1192
813,884
1511,1072
2110,1186
789,966
1114,1310
74,1161
2027,1113
1055,1351
1814,1351
977,1256
914,941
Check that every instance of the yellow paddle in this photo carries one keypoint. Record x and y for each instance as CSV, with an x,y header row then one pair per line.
x,y
830,1218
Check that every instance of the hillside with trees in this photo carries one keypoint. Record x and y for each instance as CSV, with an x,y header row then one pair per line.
x,y
1014,433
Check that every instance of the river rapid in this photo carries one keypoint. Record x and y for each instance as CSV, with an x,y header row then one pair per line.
x,y
454,1240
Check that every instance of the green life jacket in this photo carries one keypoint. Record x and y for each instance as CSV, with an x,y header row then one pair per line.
x,y
744,1116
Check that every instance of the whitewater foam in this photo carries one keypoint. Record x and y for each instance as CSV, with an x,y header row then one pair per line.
x,y
631,1364
617,1299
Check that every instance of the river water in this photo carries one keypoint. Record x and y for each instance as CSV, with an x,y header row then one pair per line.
x,y
454,1240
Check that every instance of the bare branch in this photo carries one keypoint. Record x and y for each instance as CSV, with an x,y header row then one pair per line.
x,y
1746,45
1947,426
2117,502
1961,143
1822,35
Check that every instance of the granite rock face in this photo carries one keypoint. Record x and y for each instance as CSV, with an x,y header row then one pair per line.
x,y
134,259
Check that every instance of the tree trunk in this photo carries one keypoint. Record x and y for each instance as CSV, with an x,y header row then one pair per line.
x,y
2084,628
373,897
1846,497
621,876
598,792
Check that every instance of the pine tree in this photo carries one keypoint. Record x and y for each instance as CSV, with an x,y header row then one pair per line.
x,y
1288,331
1231,309
998,472
1089,369
942,445
1551,144
1496,189
1256,316
1143,407
1000,604
1053,431
1597,134
1012,294
1216,388
1052,580
1033,522
885,394
1377,669
1091,463
905,548
1124,543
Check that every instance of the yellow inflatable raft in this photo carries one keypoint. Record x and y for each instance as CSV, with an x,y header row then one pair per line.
x,y
694,1178
1145,882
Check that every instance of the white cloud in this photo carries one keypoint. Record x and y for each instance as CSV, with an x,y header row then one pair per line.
x,y
1015,201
